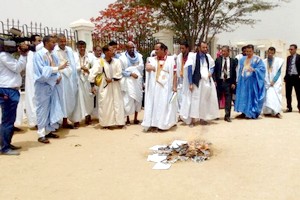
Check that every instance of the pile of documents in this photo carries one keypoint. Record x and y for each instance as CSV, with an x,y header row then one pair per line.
x,y
179,150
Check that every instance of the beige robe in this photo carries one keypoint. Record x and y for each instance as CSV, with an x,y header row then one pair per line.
x,y
110,99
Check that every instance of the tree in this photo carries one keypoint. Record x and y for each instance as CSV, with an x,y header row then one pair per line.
x,y
125,21
197,20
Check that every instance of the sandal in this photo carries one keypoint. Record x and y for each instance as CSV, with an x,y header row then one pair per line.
x,y
68,126
76,125
43,140
51,135
136,122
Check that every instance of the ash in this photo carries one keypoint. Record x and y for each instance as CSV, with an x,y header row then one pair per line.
x,y
197,151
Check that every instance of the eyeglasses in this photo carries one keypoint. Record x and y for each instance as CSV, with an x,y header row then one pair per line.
x,y
291,49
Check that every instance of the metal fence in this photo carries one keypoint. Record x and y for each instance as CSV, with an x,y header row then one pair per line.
x,y
234,51
37,28
144,47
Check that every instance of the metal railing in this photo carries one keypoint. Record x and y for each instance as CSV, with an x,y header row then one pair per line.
x,y
144,47
37,29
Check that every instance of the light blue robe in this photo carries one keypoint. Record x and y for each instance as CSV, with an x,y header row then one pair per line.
x,y
47,92
68,82
250,92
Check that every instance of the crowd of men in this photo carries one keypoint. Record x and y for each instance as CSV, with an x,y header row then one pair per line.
x,y
63,87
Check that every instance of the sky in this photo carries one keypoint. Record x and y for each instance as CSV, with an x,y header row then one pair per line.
x,y
279,23
54,13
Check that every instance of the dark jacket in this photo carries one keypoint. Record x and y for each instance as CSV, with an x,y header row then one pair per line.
x,y
218,70
288,62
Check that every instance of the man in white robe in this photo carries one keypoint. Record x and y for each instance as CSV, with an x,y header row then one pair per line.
x,y
132,81
238,57
204,103
85,99
160,91
47,90
273,84
97,56
69,78
184,93
111,108
30,104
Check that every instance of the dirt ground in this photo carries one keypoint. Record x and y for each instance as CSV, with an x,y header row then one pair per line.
x,y
253,160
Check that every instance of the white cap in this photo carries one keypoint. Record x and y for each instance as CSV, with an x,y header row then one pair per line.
x,y
10,43
152,53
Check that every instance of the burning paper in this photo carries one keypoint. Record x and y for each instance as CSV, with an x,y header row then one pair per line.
x,y
179,150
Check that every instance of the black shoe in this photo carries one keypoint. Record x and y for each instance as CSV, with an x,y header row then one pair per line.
x,y
88,120
12,147
288,110
51,135
138,121
43,140
241,116
227,119
68,126
203,122
76,125
267,115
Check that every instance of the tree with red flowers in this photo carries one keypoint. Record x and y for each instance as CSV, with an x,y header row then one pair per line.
x,y
125,21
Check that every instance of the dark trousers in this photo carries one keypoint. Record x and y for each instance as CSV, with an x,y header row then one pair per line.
x,y
8,105
224,87
290,82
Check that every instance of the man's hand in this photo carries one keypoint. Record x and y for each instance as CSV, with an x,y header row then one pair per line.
x,y
272,84
250,69
134,75
58,80
94,90
63,66
232,86
191,87
85,69
4,96
108,80
149,68
174,89
209,75
23,49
